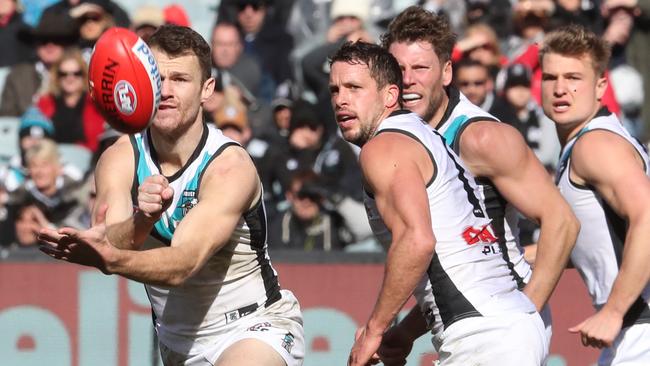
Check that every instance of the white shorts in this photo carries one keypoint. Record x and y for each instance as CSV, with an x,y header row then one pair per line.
x,y
278,325
517,339
631,347
545,314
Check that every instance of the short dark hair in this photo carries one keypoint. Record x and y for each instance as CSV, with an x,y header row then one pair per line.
x,y
384,68
417,24
177,41
576,41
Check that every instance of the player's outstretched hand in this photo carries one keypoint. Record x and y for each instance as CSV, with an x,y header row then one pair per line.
x,y
600,329
395,347
154,196
364,350
88,247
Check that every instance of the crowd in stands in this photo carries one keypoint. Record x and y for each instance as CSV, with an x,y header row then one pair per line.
x,y
270,60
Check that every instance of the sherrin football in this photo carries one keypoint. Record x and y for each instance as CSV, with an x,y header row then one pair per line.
x,y
124,80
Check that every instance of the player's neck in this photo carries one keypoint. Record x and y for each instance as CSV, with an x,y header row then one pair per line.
x,y
566,132
436,120
175,150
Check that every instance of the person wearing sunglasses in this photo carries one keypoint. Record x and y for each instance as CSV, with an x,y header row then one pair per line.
x,y
68,104
93,17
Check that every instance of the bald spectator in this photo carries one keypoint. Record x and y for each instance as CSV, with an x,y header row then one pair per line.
x,y
53,33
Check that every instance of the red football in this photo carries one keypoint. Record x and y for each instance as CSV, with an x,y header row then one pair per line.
x,y
124,80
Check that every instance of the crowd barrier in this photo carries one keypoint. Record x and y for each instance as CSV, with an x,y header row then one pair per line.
x,y
62,314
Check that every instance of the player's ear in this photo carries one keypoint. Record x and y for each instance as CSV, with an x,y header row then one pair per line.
x,y
601,86
447,73
207,89
391,95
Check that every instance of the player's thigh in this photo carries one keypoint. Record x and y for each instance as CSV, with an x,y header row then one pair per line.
x,y
249,352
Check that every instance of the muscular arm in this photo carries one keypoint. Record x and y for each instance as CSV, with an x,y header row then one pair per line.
x,y
396,171
228,189
610,164
497,151
113,179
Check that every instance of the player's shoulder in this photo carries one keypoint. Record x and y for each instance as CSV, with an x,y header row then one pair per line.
x,y
232,161
119,153
483,136
600,152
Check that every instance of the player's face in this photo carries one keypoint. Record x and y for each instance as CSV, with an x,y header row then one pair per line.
x,y
182,91
571,90
423,75
358,104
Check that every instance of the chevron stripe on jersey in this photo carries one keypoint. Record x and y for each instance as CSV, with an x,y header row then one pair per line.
x,y
463,279
599,248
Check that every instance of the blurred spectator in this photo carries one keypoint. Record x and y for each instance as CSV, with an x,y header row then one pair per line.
x,y
309,149
69,105
481,44
627,29
473,79
496,13
230,117
230,64
146,20
454,11
518,108
93,17
29,221
268,43
583,12
530,21
34,128
53,33
175,14
11,22
48,190
306,224
119,15
348,24
628,87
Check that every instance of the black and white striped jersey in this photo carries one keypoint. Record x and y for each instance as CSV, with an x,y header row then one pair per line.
x,y
461,113
598,251
467,276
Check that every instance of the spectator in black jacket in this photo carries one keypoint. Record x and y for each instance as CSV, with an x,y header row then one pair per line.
x,y
11,23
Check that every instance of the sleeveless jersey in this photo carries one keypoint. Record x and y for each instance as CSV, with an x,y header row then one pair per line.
x,y
461,113
235,281
466,277
598,251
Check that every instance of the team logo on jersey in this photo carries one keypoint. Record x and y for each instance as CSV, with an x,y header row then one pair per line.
x,y
473,235
288,342
187,201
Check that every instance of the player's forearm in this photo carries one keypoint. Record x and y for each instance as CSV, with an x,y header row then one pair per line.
x,y
167,266
131,233
557,237
634,273
406,263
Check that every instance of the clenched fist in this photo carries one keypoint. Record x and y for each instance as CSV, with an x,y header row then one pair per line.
x,y
154,196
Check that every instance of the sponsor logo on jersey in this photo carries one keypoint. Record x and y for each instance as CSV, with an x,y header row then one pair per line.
x,y
125,99
260,327
473,235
